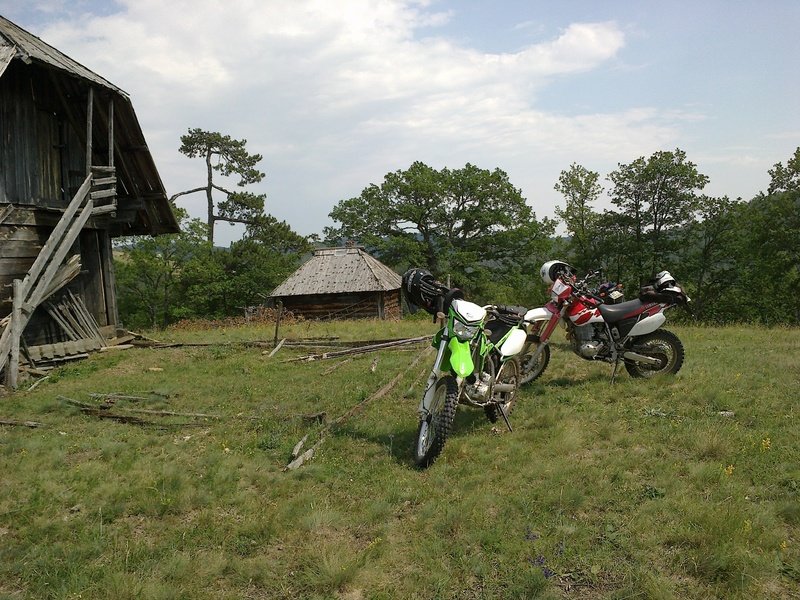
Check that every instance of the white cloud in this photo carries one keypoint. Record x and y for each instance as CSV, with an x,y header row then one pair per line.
x,y
336,94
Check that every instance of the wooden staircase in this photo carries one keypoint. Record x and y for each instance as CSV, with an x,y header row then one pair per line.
x,y
52,269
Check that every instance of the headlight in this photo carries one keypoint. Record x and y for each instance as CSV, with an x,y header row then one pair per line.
x,y
464,332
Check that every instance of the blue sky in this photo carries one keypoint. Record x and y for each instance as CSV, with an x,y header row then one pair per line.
x,y
335,94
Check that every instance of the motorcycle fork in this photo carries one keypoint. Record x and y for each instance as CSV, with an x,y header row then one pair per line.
x,y
433,378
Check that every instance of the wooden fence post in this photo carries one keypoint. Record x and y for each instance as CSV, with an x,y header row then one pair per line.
x,y
279,306
12,369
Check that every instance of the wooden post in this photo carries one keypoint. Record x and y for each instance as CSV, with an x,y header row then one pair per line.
x,y
279,306
89,117
12,368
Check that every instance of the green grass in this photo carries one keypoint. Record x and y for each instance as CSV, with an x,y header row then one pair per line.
x,y
637,490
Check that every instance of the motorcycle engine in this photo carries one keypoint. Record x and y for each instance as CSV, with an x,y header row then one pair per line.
x,y
479,391
586,342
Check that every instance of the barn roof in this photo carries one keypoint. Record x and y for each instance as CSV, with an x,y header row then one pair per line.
x,y
337,271
15,42
141,196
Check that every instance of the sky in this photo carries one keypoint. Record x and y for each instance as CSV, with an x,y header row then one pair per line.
x,y
335,94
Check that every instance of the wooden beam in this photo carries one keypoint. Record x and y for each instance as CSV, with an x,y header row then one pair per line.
x,y
89,116
16,325
111,131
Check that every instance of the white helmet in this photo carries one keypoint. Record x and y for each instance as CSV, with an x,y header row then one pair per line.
x,y
552,269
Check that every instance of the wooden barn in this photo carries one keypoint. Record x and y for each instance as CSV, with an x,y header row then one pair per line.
x,y
341,283
75,171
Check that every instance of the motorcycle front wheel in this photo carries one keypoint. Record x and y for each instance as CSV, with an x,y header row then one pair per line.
x,y
662,345
509,374
435,427
530,369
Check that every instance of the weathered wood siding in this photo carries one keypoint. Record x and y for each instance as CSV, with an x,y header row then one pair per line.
x,y
41,158
363,305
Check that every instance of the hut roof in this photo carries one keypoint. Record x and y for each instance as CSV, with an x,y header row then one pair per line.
x,y
337,271
141,197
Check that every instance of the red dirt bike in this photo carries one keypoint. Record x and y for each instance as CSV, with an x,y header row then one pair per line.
x,y
628,332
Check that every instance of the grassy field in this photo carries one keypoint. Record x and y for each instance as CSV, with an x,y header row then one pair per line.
x,y
684,487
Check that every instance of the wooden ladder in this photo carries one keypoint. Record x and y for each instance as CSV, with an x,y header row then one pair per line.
x,y
49,272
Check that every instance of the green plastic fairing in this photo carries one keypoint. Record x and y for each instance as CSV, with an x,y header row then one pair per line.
x,y
460,357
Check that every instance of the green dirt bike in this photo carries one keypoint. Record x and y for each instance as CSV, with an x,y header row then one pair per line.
x,y
475,361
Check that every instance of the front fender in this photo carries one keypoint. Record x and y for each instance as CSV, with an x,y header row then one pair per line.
x,y
460,357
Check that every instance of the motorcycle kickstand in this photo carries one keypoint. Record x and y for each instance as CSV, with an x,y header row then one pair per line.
x,y
614,372
505,417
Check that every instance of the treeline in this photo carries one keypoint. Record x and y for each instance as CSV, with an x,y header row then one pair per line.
x,y
739,260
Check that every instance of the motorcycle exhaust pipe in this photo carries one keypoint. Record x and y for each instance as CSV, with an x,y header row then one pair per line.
x,y
649,360
504,387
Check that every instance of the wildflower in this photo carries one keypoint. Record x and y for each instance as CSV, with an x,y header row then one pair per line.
x,y
728,470
748,526
766,444
784,545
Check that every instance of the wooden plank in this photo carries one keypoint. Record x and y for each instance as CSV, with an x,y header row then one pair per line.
x,y
104,181
14,233
16,326
60,254
111,131
104,210
19,249
5,212
89,118
103,194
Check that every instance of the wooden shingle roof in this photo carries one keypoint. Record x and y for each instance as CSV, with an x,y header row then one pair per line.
x,y
338,271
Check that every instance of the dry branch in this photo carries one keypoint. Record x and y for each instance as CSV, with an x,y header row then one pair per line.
x,y
361,349
13,423
308,454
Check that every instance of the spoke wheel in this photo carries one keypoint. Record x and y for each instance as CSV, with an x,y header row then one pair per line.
x,y
662,345
435,427
530,370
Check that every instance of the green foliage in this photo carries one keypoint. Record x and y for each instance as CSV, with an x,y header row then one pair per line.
x,y
655,196
167,278
471,224
738,260
228,157
580,188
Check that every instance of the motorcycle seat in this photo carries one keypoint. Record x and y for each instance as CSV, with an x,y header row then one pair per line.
x,y
613,313
497,329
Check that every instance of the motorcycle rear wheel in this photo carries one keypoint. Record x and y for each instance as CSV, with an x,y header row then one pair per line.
x,y
509,373
661,344
530,371
435,427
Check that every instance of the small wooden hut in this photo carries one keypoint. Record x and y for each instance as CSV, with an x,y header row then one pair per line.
x,y
75,171
341,283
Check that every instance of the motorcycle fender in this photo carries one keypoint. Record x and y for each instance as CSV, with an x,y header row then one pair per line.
x,y
513,343
538,314
648,325
460,357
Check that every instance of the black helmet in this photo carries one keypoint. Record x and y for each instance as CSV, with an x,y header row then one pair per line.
x,y
421,289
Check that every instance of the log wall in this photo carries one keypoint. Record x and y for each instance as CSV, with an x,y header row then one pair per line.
x,y
365,305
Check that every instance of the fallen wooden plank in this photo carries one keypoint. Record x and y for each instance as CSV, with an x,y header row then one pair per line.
x,y
13,423
278,347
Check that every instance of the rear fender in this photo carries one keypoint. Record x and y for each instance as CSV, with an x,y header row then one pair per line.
x,y
648,325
